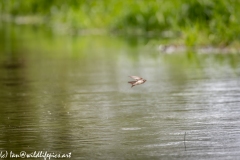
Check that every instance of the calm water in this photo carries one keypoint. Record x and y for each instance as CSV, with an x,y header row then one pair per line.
x,y
70,95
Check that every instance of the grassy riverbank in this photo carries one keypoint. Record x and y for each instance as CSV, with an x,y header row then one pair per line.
x,y
183,22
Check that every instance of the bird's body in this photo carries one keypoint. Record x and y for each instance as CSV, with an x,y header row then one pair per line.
x,y
138,80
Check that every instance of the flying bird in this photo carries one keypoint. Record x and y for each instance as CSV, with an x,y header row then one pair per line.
x,y
138,80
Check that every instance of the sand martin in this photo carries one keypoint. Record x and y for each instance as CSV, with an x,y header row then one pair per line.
x,y
138,80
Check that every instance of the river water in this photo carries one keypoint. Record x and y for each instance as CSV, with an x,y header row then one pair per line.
x,y
69,95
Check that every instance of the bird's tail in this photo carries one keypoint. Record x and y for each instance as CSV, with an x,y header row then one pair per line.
x,y
132,82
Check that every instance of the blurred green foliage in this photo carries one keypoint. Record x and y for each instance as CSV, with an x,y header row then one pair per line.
x,y
191,21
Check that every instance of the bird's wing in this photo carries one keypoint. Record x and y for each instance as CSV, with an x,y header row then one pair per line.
x,y
135,77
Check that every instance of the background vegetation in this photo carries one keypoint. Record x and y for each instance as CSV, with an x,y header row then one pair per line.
x,y
189,22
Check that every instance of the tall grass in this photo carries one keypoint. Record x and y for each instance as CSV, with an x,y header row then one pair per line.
x,y
191,21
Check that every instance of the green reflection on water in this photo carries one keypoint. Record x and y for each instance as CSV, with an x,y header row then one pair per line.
x,y
70,94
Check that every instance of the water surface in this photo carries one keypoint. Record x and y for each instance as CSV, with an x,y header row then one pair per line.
x,y
70,94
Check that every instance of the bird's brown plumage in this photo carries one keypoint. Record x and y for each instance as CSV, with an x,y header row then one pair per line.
x,y
138,80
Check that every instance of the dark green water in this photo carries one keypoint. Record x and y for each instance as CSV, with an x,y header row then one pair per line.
x,y
69,94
